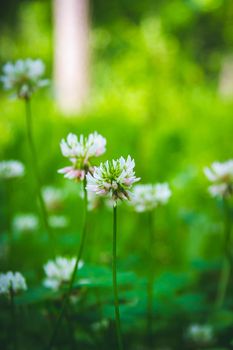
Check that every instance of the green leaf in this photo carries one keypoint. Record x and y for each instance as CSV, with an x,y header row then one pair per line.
x,y
169,283
94,276
36,295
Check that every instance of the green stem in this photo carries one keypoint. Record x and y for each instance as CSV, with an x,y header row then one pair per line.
x,y
150,277
74,274
35,168
8,186
13,318
227,257
114,278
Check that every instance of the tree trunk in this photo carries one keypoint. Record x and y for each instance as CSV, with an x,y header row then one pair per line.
x,y
71,50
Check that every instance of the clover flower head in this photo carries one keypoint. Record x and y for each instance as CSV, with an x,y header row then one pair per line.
x,y
10,169
53,197
25,222
147,197
12,282
200,334
59,271
80,151
114,178
221,176
24,77
83,147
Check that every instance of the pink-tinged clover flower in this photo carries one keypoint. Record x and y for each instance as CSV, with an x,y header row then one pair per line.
x,y
71,173
24,77
80,151
221,176
114,178
147,197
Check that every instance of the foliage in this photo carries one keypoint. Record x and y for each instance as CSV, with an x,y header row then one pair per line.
x,y
155,96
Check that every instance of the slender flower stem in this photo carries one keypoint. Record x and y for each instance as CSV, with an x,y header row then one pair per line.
x,y
75,271
8,186
35,168
13,317
150,277
227,257
114,278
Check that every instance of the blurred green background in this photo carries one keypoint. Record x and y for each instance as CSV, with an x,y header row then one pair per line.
x,y
156,70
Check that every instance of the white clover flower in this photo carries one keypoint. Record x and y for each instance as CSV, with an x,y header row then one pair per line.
x,y
221,175
10,169
53,197
25,222
59,271
147,197
114,177
24,77
220,172
80,151
12,281
58,221
200,334
83,147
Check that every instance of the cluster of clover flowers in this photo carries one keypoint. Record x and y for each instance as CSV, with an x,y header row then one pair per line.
x,y
112,180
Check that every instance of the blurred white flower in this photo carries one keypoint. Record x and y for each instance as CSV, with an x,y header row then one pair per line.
x,y
147,197
83,147
10,169
200,334
58,221
59,271
53,197
221,175
218,190
163,193
80,151
12,281
220,172
100,325
24,77
114,177
25,222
